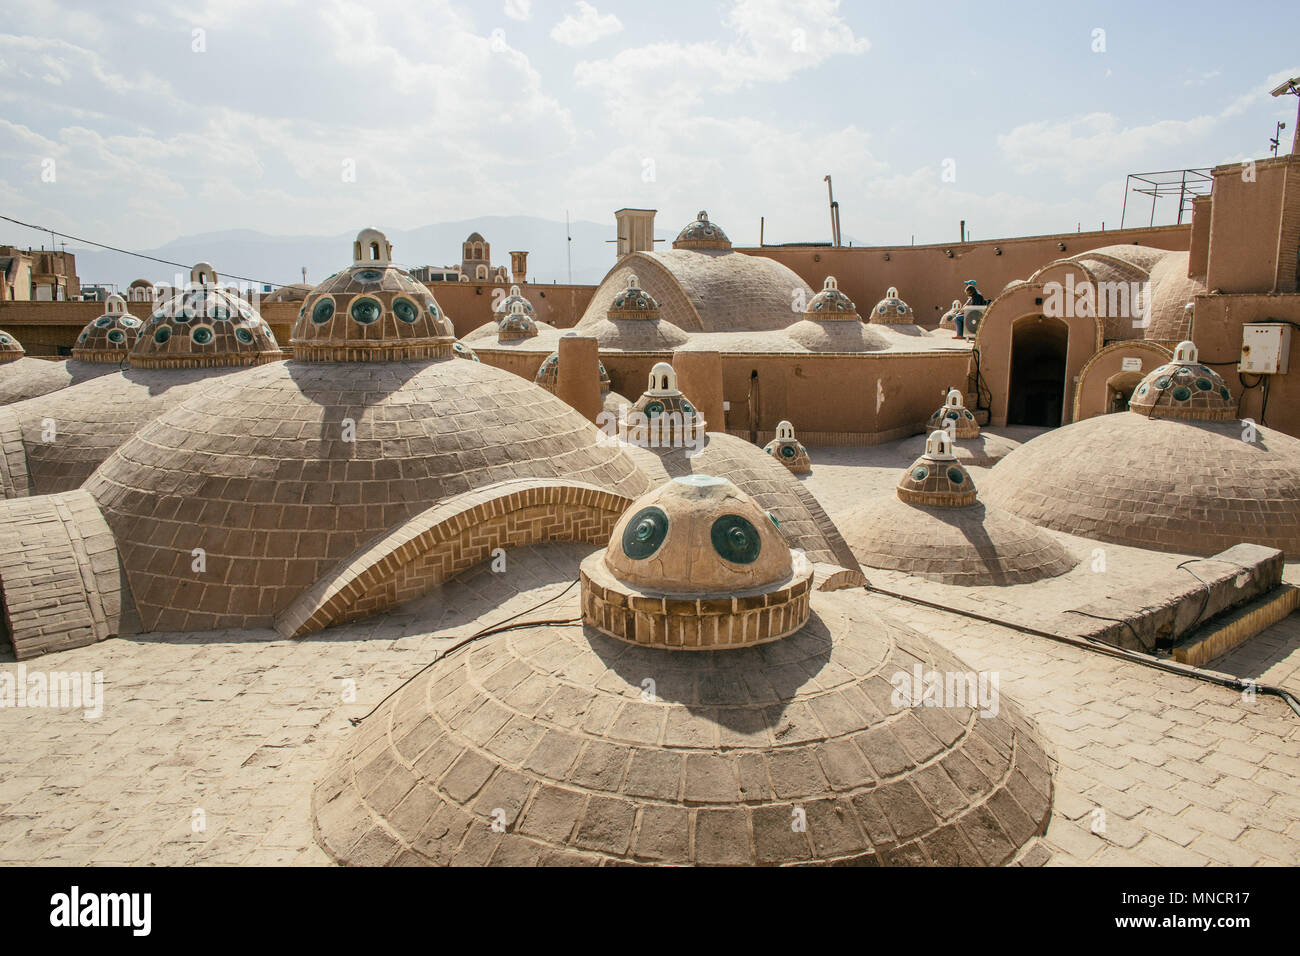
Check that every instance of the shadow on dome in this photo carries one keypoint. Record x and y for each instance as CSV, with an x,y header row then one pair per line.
x,y
709,683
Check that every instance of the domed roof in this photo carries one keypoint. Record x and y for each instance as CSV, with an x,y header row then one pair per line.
x,y
702,234
505,305
205,326
831,303
371,312
667,415
698,535
892,310
632,323
110,337
1172,290
475,237
517,324
677,725
10,349
548,375
1164,484
1184,389
954,410
937,477
788,450
633,303
280,472
935,528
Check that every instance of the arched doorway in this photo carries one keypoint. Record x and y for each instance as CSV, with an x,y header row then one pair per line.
x,y
1119,389
1038,352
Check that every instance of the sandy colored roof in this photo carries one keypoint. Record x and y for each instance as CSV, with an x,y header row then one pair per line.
x,y
551,727
257,470
1160,484
33,377
1171,290
970,546
93,419
487,338
706,290
827,338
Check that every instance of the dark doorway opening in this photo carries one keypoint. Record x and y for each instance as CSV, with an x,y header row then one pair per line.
x,y
1119,389
1038,346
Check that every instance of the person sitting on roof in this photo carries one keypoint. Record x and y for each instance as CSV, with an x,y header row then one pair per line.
x,y
975,296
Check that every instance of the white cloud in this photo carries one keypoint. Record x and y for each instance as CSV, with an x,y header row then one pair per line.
x,y
773,40
519,9
586,26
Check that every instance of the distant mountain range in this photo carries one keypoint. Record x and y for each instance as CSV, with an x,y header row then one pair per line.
x,y
281,259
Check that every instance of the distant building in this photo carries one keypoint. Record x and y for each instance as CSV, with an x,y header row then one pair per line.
x,y
38,275
475,265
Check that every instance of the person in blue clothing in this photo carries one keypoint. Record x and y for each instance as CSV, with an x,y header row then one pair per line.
x,y
973,297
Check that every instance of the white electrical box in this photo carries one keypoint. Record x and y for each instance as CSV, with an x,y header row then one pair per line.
x,y
1265,348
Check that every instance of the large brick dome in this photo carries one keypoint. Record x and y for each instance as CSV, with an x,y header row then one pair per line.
x,y
564,744
259,472
1194,487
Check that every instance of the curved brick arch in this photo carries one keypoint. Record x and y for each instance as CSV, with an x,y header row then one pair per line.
x,y
447,539
1090,392
994,343
60,578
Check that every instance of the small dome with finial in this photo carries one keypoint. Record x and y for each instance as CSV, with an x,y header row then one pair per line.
x,y
954,417
891,310
517,324
506,303
937,478
110,337
371,311
633,303
702,234
831,303
206,326
1185,389
788,450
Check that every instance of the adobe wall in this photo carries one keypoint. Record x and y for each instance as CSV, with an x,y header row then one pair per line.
x,y
1255,226
840,400
1217,334
928,280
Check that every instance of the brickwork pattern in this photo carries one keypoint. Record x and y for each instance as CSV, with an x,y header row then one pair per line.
x,y
691,622
447,539
548,729
90,421
968,546
258,472
1160,484
59,574
32,377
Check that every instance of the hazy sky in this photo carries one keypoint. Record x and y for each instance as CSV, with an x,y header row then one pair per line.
x,y
168,119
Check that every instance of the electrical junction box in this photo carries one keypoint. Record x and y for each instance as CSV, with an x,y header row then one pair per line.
x,y
1265,348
